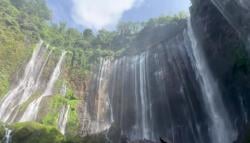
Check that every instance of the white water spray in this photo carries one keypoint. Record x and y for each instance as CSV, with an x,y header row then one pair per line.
x,y
63,119
143,96
42,69
221,129
63,90
100,120
7,136
31,112
25,88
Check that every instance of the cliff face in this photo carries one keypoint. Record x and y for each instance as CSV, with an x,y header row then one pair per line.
x,y
156,88
224,42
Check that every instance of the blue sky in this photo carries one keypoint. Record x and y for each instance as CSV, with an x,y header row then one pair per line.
x,y
98,14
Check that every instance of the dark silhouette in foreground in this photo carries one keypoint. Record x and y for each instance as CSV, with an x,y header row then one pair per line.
x,y
164,140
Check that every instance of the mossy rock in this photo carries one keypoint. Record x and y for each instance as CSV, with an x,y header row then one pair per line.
x,y
32,132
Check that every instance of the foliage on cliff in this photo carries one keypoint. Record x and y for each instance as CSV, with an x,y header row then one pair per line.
x,y
24,22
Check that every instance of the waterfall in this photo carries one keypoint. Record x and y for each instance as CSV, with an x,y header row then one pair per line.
x,y
221,6
63,90
7,136
26,86
110,78
143,96
32,110
63,118
236,12
245,4
142,109
221,129
166,91
42,69
152,95
98,110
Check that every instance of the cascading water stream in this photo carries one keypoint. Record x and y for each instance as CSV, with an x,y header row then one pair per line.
x,y
143,97
167,91
26,86
139,64
221,129
149,95
137,82
236,12
139,92
63,119
63,90
42,69
220,4
100,117
33,108
7,136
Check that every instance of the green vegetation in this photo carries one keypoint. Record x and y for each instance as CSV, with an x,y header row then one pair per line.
x,y
2,131
31,132
22,24
13,49
55,105
73,124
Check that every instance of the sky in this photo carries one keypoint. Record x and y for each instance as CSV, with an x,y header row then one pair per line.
x,y
98,14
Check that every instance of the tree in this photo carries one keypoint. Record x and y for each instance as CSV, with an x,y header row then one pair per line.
x,y
88,35
33,7
105,38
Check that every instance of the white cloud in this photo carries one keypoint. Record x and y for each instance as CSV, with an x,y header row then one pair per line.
x,y
98,14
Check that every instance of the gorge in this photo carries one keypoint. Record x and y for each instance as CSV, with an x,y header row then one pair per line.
x,y
185,81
